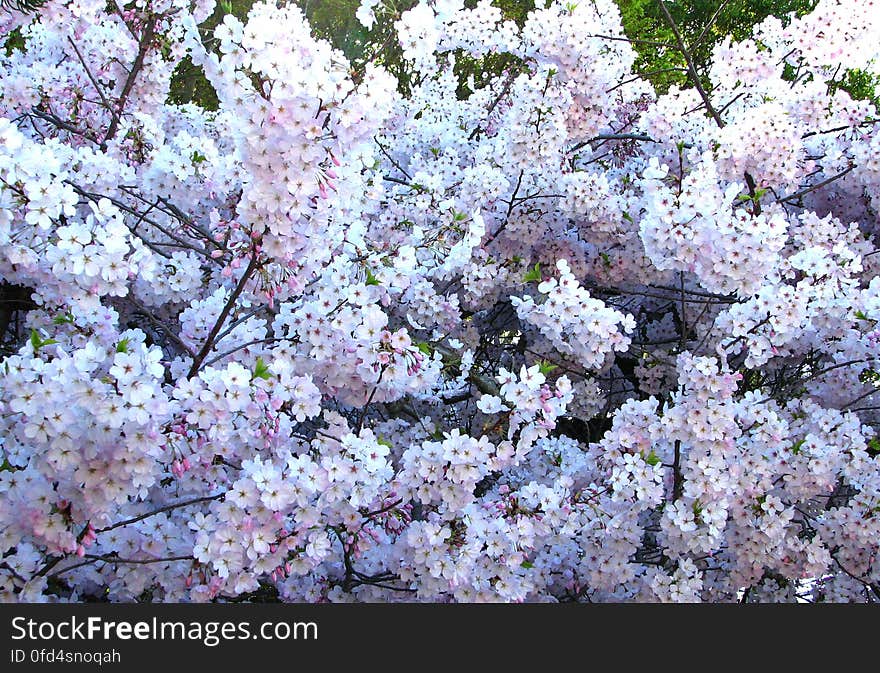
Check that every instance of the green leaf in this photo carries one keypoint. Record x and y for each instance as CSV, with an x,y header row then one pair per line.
x,y
384,442
533,275
423,347
37,342
122,346
198,158
546,367
796,447
606,260
861,316
626,216
527,564
652,459
261,371
371,279
874,446
63,319
459,217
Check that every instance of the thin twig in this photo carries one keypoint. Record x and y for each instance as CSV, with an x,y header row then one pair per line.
x,y
166,508
818,185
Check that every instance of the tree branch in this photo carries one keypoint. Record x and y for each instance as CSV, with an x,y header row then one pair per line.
x,y
692,71
209,342
166,508
143,47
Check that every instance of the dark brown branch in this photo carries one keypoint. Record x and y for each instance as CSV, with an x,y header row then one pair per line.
x,y
813,188
143,47
61,124
92,79
692,71
166,508
387,508
677,476
114,559
169,331
504,91
753,194
267,340
218,325
709,25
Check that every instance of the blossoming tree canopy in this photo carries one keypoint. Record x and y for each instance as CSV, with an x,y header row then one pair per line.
x,y
556,339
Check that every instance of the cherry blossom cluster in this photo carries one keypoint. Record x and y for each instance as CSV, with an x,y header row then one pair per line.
x,y
692,225
577,324
541,335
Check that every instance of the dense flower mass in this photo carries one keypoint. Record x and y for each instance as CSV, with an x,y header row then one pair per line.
x,y
548,336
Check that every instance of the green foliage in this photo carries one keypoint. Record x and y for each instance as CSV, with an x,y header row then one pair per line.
x,y
37,342
533,275
859,84
643,20
13,40
261,370
371,279
658,60
22,5
546,367
335,21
